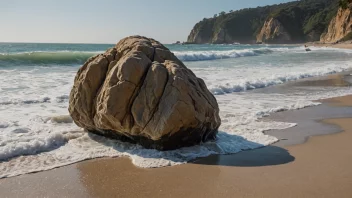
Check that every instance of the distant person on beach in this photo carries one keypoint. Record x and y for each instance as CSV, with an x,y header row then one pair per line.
x,y
307,48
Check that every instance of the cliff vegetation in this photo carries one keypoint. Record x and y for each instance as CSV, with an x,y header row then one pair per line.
x,y
293,22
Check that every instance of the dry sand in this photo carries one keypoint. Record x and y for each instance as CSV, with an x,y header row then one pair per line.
x,y
321,167
344,45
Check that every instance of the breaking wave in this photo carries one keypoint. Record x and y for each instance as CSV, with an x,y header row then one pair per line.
x,y
79,57
31,146
214,55
40,58
250,84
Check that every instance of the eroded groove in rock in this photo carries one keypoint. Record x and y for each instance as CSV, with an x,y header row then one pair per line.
x,y
156,117
110,56
134,96
156,107
142,93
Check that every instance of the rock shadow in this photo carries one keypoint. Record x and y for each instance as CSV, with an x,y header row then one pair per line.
x,y
265,156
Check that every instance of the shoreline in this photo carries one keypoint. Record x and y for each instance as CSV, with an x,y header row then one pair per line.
x,y
310,169
337,107
251,173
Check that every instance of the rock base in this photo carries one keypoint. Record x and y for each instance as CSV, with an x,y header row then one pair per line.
x,y
184,138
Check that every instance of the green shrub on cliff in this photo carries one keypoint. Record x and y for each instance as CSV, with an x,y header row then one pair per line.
x,y
304,20
348,37
307,17
344,3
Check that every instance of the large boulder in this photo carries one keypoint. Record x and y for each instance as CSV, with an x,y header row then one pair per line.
x,y
138,91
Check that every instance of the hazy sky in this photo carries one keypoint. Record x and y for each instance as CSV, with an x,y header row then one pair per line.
x,y
107,21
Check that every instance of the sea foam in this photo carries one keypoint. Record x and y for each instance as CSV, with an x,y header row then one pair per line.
x,y
250,84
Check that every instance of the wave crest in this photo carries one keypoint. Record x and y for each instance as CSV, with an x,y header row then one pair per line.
x,y
39,58
34,146
214,55
79,57
246,85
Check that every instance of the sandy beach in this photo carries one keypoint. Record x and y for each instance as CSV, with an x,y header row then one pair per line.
x,y
319,166
343,45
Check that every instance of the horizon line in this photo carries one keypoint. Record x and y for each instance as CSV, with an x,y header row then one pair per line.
x,y
30,42
20,42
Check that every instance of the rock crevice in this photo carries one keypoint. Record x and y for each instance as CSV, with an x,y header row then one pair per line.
x,y
140,92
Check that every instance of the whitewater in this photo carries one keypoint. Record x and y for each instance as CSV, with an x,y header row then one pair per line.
x,y
36,132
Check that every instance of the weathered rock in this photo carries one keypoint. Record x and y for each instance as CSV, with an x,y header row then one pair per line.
x,y
199,36
339,27
222,37
139,91
273,32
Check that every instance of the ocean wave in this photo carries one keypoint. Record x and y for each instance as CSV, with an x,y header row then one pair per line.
x,y
214,55
15,102
245,85
79,57
40,58
10,149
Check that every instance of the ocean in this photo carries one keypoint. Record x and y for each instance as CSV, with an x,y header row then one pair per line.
x,y
36,132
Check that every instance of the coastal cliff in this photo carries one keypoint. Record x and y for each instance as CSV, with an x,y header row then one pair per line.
x,y
293,22
340,27
201,33
273,31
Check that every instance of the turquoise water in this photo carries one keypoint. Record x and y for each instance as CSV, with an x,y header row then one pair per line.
x,y
7,48
23,54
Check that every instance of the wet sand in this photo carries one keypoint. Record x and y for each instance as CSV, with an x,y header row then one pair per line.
x,y
320,167
309,122
340,101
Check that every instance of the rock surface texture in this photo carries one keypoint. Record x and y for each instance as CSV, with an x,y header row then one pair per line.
x,y
138,91
339,26
273,32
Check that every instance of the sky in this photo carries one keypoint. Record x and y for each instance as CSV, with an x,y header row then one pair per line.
x,y
108,21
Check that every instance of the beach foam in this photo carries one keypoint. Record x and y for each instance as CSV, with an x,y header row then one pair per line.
x,y
230,85
26,101
28,146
